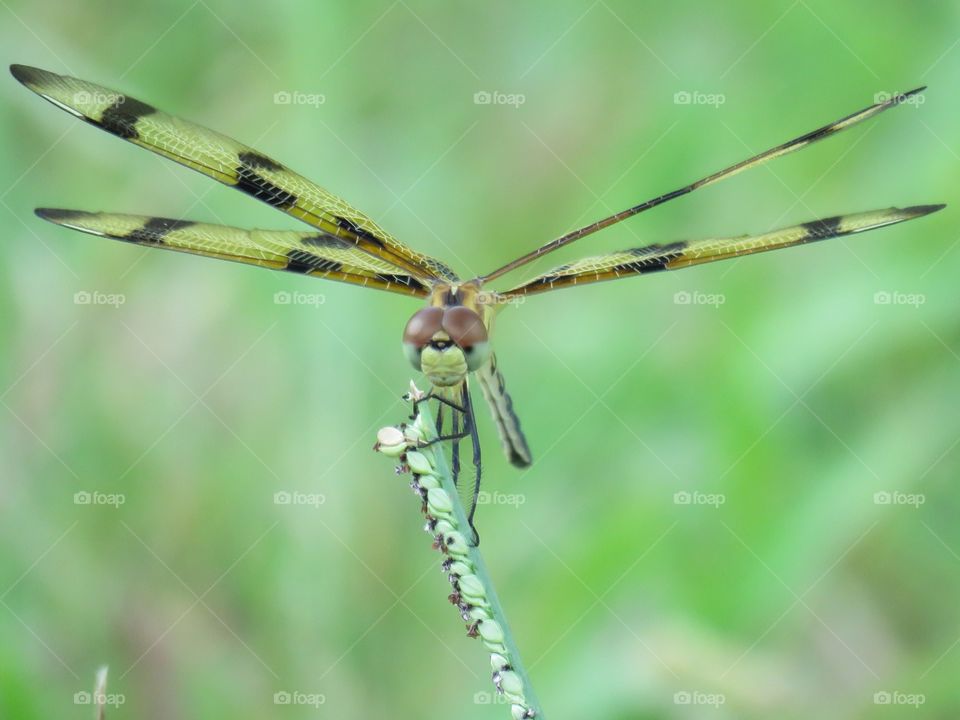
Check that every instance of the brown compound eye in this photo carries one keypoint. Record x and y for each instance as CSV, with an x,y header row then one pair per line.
x,y
464,327
423,326
419,331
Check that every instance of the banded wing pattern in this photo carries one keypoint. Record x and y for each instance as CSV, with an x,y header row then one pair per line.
x,y
672,256
227,161
786,148
316,253
346,245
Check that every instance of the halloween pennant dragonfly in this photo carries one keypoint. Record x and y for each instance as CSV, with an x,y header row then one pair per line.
x,y
448,340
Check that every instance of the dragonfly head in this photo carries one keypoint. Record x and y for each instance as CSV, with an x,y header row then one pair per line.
x,y
446,343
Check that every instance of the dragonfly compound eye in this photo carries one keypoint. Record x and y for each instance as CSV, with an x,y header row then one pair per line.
x,y
419,331
423,326
467,330
464,326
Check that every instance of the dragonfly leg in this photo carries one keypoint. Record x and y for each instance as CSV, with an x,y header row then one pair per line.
x,y
444,438
477,473
455,448
462,425
442,400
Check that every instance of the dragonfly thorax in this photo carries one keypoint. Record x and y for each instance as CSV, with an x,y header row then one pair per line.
x,y
445,343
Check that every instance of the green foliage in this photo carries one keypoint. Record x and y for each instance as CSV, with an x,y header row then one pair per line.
x,y
259,555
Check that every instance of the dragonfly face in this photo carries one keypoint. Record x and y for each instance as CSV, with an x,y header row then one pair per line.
x,y
446,342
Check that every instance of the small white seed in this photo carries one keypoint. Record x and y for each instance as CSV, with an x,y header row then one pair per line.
x,y
460,568
418,463
498,662
491,631
511,685
519,712
478,613
443,527
471,587
456,544
439,502
390,442
429,481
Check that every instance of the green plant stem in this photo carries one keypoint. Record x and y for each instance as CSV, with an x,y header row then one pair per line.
x,y
480,567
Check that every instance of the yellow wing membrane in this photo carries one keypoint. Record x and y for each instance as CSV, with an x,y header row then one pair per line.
x,y
780,150
654,258
317,253
228,162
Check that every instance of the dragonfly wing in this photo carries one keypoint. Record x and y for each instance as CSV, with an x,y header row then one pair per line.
x,y
672,256
316,253
797,143
227,161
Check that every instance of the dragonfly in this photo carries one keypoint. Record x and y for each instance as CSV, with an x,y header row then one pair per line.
x,y
448,339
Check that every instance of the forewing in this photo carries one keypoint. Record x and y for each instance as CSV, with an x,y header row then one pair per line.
x,y
317,253
227,161
654,258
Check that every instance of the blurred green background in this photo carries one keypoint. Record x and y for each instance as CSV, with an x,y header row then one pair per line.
x,y
806,401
